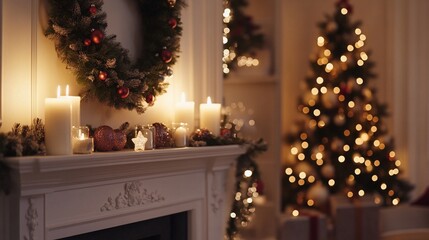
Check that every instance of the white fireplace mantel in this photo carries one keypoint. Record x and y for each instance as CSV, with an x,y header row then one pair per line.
x,y
58,196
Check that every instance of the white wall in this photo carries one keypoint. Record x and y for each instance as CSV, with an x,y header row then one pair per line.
x,y
31,70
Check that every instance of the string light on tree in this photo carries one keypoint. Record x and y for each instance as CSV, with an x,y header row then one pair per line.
x,y
340,139
240,37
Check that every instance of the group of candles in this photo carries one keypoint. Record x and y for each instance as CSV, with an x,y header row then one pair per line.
x,y
209,114
64,135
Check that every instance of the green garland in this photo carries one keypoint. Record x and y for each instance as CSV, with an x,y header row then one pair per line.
x,y
101,65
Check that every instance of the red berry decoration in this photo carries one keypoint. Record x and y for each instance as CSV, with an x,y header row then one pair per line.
x,y
102,75
93,9
173,23
166,56
149,99
120,140
123,92
104,139
87,42
97,36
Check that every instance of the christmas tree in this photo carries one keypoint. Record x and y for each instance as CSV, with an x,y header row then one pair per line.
x,y
341,145
241,36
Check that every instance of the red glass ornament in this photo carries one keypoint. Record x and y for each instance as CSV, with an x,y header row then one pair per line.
x,y
97,36
123,92
149,99
102,75
172,22
166,56
87,42
93,9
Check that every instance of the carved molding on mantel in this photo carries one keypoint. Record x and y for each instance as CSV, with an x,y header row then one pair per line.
x,y
32,220
133,195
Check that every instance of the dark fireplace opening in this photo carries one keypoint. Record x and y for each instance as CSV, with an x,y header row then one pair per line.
x,y
171,227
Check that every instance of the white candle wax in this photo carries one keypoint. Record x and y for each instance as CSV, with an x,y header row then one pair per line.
x,y
180,136
58,123
210,116
75,101
185,112
83,145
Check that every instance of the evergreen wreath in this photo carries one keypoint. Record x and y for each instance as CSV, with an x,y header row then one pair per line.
x,y
101,65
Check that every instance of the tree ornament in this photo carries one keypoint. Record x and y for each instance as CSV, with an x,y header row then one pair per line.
x,y
93,9
328,171
138,76
104,139
166,56
87,42
97,36
329,99
150,98
318,193
172,3
162,136
102,75
172,22
123,91
120,140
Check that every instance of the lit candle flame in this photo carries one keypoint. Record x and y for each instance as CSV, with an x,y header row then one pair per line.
x,y
67,90
58,91
209,100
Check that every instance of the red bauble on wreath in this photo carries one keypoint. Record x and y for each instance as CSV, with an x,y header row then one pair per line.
x,y
166,56
97,36
87,42
172,23
93,9
123,92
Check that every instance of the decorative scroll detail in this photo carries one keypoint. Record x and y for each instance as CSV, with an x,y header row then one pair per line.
x,y
217,199
134,195
31,216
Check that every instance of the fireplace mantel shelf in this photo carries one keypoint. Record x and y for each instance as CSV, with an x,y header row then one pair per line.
x,y
60,196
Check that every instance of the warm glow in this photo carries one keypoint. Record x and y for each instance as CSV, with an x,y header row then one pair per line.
x,y
350,194
294,151
341,159
337,90
302,175
361,193
311,179
316,112
343,58
314,91
358,171
58,91
67,90
320,41
350,48
359,81
248,173
233,215
327,52
358,31
331,182
358,127
344,11
288,171
329,67
351,104
346,148
395,201
319,162
323,90
374,178
295,213
383,186
310,202
304,145
319,80
301,156
209,100
292,179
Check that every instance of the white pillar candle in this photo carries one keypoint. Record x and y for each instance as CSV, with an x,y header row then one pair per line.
x,y
184,112
58,123
180,136
210,116
75,101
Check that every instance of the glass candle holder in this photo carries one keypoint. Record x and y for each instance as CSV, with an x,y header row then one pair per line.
x,y
81,142
180,134
148,132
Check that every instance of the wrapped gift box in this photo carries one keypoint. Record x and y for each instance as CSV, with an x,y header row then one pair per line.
x,y
309,225
355,220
